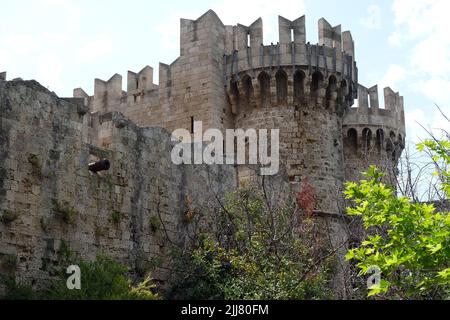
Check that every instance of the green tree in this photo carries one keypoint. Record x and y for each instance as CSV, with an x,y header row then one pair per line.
x,y
255,251
408,241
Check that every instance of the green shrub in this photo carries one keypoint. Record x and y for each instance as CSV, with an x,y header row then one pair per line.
x,y
9,262
8,216
116,217
67,213
102,279
155,223
44,223
100,231
15,291
252,253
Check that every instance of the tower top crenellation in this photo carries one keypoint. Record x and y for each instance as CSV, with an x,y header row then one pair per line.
x,y
369,113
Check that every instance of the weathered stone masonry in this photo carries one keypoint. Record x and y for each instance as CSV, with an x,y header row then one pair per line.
x,y
225,77
44,177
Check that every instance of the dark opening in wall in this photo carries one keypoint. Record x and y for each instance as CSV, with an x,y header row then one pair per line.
x,y
282,90
392,136
367,139
264,85
234,92
299,79
248,89
342,90
192,124
380,140
332,85
350,93
317,81
352,140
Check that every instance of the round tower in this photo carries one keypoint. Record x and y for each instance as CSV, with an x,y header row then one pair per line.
x,y
301,89
374,136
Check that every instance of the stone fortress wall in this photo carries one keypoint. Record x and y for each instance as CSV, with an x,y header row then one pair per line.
x,y
59,204
225,77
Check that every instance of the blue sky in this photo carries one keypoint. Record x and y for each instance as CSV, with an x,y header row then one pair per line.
x,y
67,43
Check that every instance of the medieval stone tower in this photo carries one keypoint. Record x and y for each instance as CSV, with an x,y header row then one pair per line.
x,y
374,136
225,77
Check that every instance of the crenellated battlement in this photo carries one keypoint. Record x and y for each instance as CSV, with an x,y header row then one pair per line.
x,y
374,135
110,96
334,53
369,113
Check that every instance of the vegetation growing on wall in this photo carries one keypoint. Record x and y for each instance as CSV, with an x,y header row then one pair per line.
x,y
102,279
254,251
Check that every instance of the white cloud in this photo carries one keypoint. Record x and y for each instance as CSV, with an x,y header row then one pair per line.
x,y
373,18
394,75
422,30
424,21
412,120
420,17
44,34
69,9
436,89
50,68
395,39
96,48
169,30
432,55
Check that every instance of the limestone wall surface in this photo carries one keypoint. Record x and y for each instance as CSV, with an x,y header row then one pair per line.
x,y
58,203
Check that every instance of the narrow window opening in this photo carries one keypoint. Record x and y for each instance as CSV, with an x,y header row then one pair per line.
x,y
332,85
299,78
367,136
352,141
248,89
380,140
264,84
281,82
192,124
292,35
317,80
248,39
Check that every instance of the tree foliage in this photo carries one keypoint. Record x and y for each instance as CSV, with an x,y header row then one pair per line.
x,y
408,241
255,251
101,279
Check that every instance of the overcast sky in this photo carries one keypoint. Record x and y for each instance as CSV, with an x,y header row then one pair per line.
x,y
65,44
